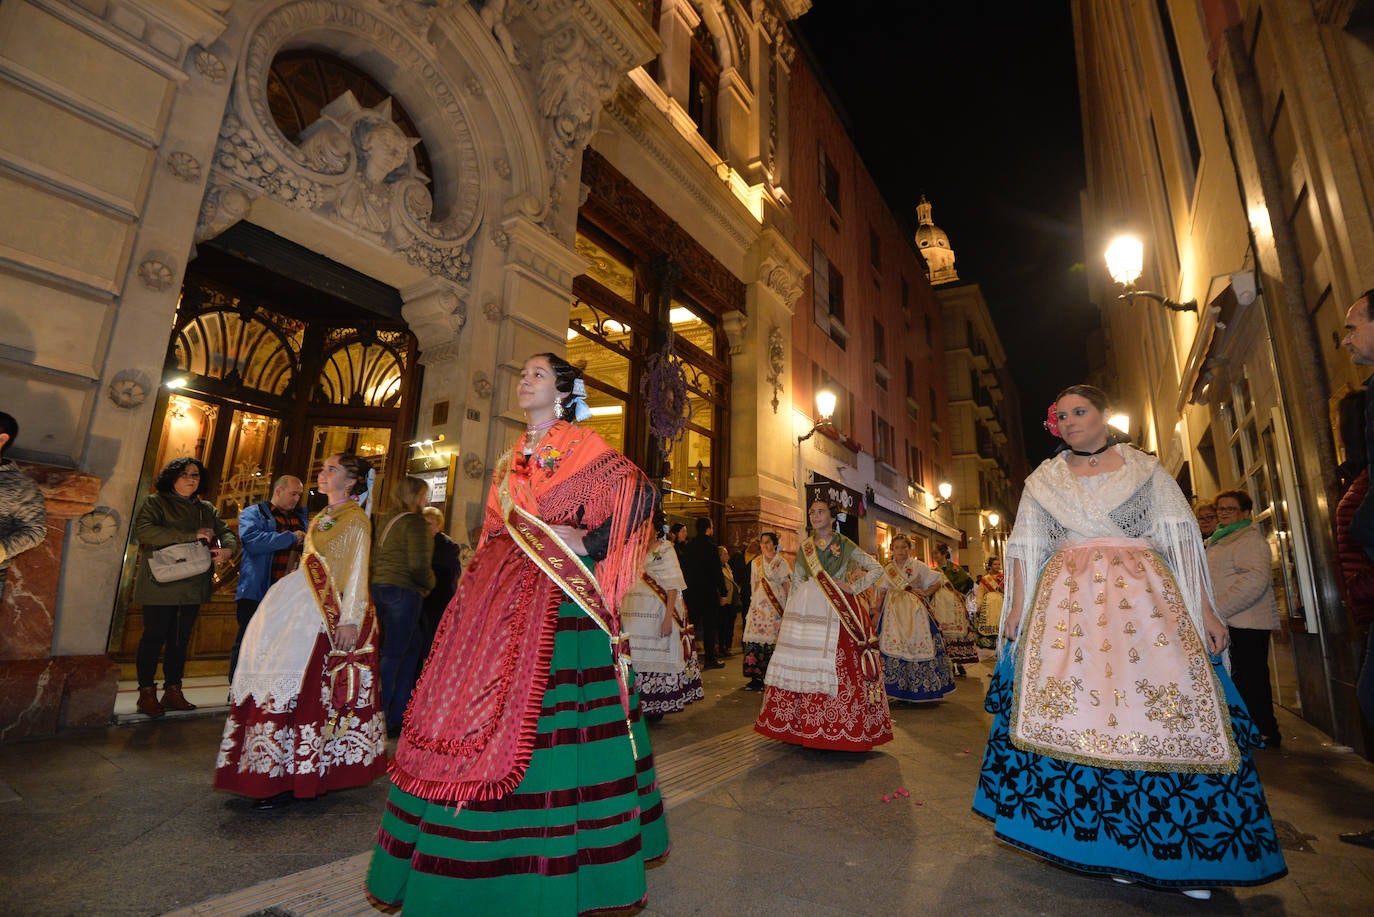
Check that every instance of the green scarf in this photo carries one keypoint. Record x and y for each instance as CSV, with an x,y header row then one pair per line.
x,y
1224,530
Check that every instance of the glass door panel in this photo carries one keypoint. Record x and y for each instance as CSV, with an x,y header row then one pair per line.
x,y
691,476
188,428
246,476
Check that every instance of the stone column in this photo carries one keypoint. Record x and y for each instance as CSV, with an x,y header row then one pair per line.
x,y
39,692
676,23
739,142
763,492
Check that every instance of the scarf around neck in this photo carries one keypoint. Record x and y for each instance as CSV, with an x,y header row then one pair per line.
x,y
1227,529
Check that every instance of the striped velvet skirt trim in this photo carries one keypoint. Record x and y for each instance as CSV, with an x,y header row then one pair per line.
x,y
571,838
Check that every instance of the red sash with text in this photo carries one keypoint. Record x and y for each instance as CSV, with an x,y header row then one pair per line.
x,y
344,668
771,595
686,630
854,620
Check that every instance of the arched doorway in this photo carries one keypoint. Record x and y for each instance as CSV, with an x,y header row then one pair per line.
x,y
277,359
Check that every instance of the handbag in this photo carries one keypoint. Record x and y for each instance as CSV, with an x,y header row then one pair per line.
x,y
179,561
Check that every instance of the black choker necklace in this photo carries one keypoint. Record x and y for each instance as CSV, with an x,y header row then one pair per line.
x,y
1091,456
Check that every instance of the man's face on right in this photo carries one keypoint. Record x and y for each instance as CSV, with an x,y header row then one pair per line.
x,y
1359,333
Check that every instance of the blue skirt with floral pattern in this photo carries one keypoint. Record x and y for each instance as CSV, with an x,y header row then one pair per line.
x,y
1167,829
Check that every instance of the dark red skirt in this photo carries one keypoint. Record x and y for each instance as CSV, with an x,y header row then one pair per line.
x,y
310,748
846,722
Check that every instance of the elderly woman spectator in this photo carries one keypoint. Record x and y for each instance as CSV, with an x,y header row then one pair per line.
x,y
1206,518
1241,565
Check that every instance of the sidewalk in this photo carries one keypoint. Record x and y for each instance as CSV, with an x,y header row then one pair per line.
x,y
122,821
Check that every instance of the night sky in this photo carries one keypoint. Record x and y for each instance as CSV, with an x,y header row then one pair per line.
x,y
975,104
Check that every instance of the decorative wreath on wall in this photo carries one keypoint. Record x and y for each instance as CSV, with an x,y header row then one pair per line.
x,y
664,388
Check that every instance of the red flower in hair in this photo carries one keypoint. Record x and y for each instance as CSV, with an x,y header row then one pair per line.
x,y
1052,421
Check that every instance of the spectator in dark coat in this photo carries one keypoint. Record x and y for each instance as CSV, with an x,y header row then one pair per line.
x,y
706,594
447,569
1359,340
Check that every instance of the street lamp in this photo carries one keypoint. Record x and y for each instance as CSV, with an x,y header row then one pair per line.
x,y
945,490
1125,262
993,519
825,409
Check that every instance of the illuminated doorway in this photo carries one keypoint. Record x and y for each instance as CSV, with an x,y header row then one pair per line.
x,y
270,369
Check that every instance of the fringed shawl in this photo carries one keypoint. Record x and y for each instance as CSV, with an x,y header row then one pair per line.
x,y
1137,501
469,730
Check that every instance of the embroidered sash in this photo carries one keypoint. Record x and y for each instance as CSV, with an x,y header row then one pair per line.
x,y
897,576
343,668
905,631
853,619
684,629
770,594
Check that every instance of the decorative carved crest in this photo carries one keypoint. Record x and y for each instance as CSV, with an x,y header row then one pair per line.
x,y
353,165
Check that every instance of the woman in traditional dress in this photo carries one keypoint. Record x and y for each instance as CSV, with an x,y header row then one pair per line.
x,y
824,687
1118,747
524,782
661,642
304,716
770,581
947,608
987,604
915,665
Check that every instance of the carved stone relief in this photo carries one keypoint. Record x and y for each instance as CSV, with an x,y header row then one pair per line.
x,y
457,312
472,466
574,81
354,165
184,166
222,207
492,310
481,385
98,526
155,275
129,388
780,280
210,66
777,362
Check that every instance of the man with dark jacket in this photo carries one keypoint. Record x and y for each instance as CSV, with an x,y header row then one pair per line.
x,y
706,593
271,532
1359,340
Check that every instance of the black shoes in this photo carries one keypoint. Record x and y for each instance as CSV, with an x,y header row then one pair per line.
x,y
273,802
713,664
1359,838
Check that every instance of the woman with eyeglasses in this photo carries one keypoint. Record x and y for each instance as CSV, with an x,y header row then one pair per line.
x,y
174,514
1206,514
1241,565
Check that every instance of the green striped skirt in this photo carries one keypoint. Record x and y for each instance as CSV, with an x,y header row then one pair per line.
x,y
572,838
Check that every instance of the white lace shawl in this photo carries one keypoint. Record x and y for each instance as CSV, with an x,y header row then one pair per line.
x,y
1137,501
